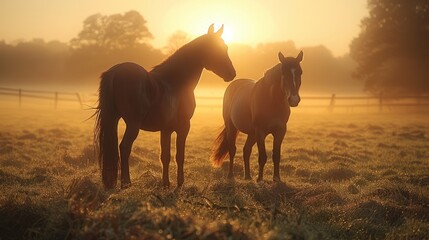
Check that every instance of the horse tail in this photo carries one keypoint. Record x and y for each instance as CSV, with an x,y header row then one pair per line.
x,y
221,145
106,131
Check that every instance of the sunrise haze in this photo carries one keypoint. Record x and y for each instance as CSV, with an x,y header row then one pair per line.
x,y
332,23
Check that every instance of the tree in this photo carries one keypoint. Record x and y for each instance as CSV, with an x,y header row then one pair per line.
x,y
107,40
176,40
112,32
392,50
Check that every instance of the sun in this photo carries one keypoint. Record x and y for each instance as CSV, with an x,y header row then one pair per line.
x,y
248,23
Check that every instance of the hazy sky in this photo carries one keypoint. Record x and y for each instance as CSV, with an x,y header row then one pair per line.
x,y
333,23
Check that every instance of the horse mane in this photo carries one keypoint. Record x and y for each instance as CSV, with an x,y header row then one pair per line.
x,y
181,53
272,73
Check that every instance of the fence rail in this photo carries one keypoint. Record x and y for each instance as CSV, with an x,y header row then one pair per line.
x,y
327,102
56,96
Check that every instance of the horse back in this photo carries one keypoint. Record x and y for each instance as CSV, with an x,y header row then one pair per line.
x,y
236,104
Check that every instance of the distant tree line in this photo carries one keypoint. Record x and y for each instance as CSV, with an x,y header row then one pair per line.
x,y
106,40
102,42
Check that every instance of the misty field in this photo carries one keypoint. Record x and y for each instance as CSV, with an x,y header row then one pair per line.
x,y
345,176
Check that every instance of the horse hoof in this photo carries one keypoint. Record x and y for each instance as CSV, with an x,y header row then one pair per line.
x,y
248,178
277,180
260,179
230,176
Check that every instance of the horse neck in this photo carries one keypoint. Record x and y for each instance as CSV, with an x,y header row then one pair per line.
x,y
182,69
271,83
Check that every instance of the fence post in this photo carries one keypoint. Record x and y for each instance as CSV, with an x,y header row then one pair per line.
x,y
332,103
381,102
56,99
20,97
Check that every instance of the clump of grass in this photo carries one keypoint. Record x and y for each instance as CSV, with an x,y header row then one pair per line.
x,y
303,172
7,178
416,134
134,220
420,180
368,219
28,136
389,172
321,195
339,134
375,129
341,158
377,213
340,143
411,229
384,145
7,146
85,158
84,196
22,220
338,174
9,162
400,196
353,189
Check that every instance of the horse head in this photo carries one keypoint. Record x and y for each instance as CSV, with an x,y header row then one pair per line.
x,y
291,77
216,55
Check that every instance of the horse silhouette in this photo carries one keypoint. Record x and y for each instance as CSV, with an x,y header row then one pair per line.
x,y
159,100
259,108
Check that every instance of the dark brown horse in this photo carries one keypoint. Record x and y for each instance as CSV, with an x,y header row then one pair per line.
x,y
259,108
159,100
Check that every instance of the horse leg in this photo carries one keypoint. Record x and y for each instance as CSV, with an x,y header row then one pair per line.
x,y
165,156
131,133
262,158
278,139
247,151
182,134
231,135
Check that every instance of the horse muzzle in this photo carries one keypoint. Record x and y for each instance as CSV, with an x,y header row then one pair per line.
x,y
294,100
230,76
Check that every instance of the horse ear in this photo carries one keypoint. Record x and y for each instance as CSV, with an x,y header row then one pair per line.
x,y
281,57
220,31
300,56
211,29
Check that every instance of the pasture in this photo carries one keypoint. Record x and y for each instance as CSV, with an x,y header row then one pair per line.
x,y
345,176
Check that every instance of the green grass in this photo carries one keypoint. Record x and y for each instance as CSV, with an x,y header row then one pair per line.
x,y
345,176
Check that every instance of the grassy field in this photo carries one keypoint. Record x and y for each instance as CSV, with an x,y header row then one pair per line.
x,y
345,176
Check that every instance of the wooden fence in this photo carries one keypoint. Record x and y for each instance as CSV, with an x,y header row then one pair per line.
x,y
349,103
56,96
325,102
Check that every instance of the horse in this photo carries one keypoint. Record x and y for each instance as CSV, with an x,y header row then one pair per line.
x,y
259,108
158,100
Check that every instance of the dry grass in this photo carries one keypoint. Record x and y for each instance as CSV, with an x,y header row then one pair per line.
x,y
345,176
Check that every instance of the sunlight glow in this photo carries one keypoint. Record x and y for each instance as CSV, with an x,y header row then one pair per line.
x,y
306,22
228,34
241,23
